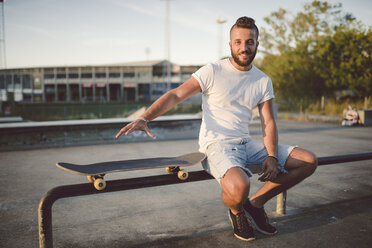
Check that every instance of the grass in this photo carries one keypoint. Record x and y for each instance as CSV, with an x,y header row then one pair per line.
x,y
75,111
336,108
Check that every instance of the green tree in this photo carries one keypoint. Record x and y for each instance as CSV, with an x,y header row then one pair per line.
x,y
317,19
316,52
344,61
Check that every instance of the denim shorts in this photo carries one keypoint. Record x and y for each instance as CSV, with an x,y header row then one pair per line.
x,y
245,153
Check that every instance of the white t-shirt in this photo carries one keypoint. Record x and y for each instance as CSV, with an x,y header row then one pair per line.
x,y
229,96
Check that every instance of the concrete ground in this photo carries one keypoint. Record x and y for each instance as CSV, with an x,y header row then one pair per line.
x,y
333,208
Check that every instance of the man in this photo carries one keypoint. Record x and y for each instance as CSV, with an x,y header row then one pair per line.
x,y
231,88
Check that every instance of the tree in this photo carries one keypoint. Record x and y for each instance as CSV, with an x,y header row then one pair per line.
x,y
316,52
344,61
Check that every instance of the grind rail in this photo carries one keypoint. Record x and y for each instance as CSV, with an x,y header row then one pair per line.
x,y
47,201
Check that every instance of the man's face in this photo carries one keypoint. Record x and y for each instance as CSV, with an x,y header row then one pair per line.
x,y
243,46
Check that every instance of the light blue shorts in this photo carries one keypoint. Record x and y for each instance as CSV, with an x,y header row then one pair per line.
x,y
245,153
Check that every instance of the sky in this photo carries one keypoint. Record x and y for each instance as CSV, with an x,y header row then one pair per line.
x,y
97,32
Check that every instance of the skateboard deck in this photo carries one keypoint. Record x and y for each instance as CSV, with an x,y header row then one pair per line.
x,y
96,171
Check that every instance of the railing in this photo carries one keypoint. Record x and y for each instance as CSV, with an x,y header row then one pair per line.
x,y
47,201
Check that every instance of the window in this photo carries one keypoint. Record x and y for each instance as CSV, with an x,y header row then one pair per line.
x,y
129,74
86,75
8,82
73,75
157,71
100,75
49,76
61,75
26,80
114,74
2,81
17,81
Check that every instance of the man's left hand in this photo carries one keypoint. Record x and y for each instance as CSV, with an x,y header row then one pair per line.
x,y
269,170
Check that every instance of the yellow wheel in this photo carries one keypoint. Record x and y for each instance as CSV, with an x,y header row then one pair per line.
x,y
168,170
99,184
90,179
183,175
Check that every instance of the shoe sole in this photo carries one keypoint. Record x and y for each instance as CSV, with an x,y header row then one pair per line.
x,y
244,239
256,227
237,236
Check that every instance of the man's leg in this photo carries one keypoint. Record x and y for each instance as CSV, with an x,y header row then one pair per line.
x,y
223,161
235,189
300,165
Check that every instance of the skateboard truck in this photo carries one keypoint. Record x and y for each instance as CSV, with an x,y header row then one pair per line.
x,y
181,174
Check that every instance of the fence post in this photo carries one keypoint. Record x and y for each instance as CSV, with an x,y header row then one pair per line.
x,y
45,220
281,201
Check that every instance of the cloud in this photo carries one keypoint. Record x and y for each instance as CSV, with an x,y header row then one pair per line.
x,y
108,41
35,30
149,10
157,10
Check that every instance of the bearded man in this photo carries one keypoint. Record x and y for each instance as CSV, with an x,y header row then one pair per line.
x,y
230,89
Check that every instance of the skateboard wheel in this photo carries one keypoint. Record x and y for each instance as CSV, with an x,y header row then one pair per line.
x,y
99,184
183,175
90,179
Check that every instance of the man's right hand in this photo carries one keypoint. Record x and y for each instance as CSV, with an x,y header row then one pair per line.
x,y
138,124
165,103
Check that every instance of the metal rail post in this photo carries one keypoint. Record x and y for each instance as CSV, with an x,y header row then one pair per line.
x,y
281,199
281,203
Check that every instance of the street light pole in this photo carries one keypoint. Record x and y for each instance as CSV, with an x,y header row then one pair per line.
x,y
220,21
2,34
167,41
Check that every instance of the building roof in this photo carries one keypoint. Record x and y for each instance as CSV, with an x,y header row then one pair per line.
x,y
140,63
133,63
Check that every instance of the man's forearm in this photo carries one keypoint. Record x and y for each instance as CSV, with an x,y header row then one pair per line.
x,y
161,106
269,130
172,98
270,134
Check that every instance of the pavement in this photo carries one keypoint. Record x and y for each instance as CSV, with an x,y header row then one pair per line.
x,y
333,208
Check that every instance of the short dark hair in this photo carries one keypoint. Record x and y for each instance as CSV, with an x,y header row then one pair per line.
x,y
245,22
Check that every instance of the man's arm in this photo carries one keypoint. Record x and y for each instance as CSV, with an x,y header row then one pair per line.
x,y
270,136
165,103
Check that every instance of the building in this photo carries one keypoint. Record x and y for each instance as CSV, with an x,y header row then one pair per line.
x,y
126,82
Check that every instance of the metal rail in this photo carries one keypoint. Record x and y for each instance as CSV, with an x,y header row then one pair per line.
x,y
47,201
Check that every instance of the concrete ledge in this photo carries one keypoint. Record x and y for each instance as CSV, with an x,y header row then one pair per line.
x,y
11,119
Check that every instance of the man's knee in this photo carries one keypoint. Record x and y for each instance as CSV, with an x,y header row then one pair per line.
x,y
302,158
235,184
311,161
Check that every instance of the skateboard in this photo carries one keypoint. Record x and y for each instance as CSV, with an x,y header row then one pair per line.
x,y
95,172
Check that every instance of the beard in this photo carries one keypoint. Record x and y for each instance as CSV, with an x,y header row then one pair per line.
x,y
248,61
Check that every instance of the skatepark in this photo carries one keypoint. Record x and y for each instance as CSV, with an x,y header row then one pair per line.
x,y
333,208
